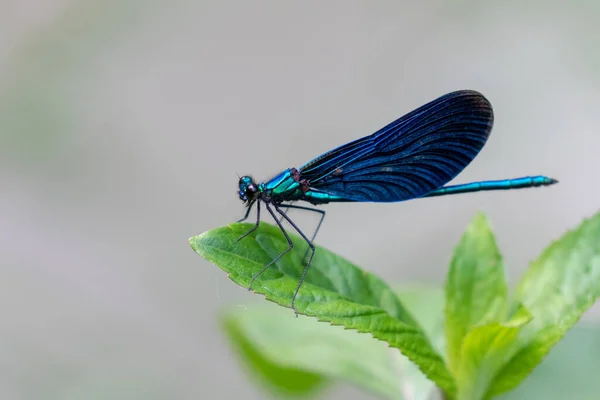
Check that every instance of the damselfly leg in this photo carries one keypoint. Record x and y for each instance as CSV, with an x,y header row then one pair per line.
x,y
290,243
310,245
245,217
255,225
322,212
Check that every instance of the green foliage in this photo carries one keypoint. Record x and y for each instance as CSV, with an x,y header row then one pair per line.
x,y
334,291
475,289
556,289
483,353
570,371
320,350
257,342
486,345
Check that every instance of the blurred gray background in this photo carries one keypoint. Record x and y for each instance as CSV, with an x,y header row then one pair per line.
x,y
123,125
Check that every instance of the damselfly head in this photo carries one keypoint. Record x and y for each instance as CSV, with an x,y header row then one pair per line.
x,y
248,189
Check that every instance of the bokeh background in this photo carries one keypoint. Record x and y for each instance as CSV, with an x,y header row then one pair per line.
x,y
123,125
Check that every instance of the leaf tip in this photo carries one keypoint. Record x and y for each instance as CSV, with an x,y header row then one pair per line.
x,y
195,241
480,218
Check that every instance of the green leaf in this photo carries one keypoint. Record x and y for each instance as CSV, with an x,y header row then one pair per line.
x,y
334,291
313,348
557,289
281,376
475,288
426,304
265,335
569,371
483,353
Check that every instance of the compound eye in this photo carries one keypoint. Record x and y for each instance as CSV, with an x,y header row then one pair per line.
x,y
245,180
252,189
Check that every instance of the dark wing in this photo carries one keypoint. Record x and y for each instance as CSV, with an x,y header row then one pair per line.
x,y
410,157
